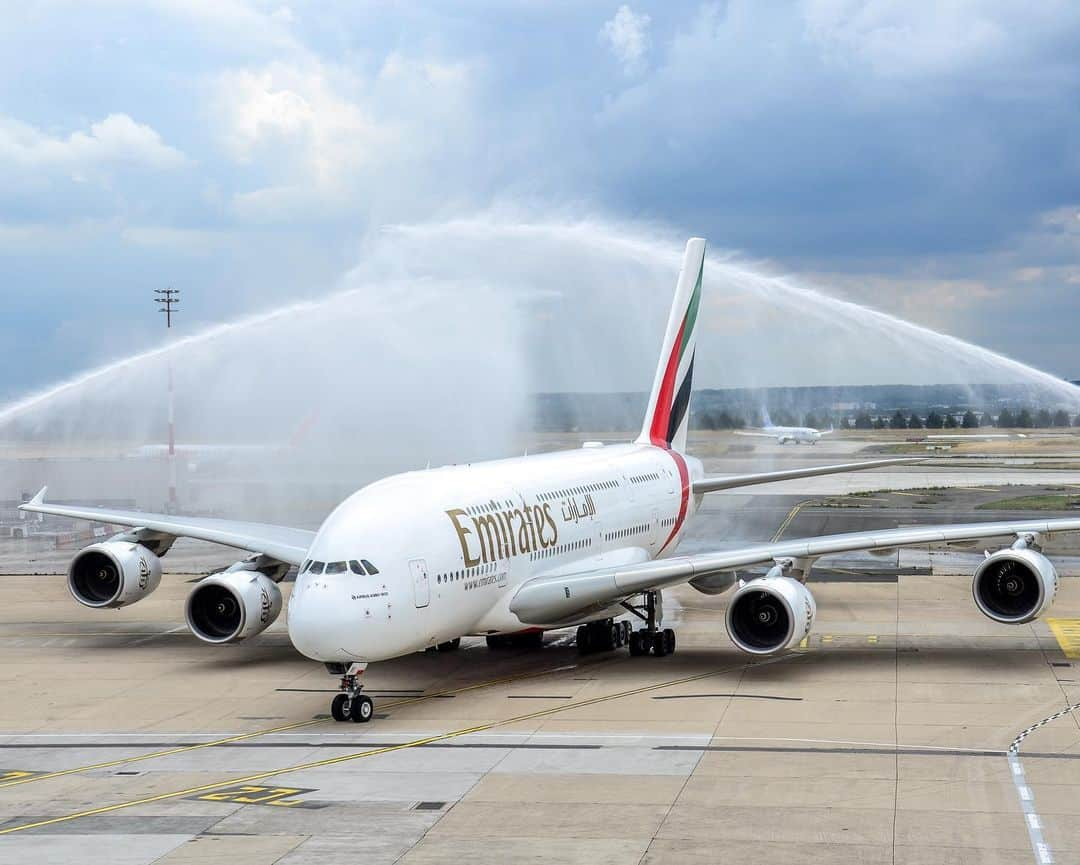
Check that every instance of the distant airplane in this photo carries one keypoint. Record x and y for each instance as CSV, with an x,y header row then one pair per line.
x,y
511,548
783,434
196,452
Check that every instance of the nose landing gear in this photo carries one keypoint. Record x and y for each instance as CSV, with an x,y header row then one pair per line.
x,y
351,704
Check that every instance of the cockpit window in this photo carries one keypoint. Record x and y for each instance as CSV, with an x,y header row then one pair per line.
x,y
370,568
316,567
355,567
335,568
304,566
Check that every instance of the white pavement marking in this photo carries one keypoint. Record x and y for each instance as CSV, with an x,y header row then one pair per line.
x,y
1043,854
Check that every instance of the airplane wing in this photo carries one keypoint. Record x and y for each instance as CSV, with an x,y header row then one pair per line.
x,y
278,542
564,597
712,485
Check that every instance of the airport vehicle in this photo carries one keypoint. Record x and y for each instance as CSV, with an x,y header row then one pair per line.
x,y
508,548
784,434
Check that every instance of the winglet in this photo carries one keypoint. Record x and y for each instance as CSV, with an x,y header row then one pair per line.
x,y
36,501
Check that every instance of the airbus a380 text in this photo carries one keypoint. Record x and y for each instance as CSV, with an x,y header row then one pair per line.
x,y
509,548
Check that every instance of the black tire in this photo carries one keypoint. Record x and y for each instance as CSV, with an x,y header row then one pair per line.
x,y
614,636
362,709
531,640
668,636
584,640
337,707
627,630
497,641
659,644
636,647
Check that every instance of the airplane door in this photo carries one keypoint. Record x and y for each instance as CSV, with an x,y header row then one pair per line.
x,y
421,589
654,529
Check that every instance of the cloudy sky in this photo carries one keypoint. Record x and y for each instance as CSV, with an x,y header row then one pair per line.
x,y
920,157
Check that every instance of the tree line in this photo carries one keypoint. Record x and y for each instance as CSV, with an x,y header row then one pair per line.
x,y
1024,418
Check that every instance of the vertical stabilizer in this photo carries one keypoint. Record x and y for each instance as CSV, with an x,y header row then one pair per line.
x,y
668,414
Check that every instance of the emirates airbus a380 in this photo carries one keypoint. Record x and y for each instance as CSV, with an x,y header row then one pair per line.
x,y
509,548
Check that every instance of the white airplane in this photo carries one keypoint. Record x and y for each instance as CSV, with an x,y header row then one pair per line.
x,y
517,546
199,452
783,434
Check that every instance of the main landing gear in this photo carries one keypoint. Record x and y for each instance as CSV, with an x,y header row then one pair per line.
x,y
605,635
351,705
521,640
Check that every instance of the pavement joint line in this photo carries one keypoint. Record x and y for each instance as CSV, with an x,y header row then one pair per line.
x,y
239,737
345,758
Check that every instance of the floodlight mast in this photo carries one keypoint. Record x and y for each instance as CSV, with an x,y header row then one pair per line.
x,y
169,298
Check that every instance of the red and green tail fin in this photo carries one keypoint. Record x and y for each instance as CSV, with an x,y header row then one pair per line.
x,y
668,414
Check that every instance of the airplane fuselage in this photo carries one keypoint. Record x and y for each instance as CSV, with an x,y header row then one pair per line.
x,y
451,546
796,434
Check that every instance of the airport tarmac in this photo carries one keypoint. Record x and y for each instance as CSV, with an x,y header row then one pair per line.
x,y
884,739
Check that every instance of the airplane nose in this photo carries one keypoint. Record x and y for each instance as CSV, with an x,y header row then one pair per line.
x,y
319,623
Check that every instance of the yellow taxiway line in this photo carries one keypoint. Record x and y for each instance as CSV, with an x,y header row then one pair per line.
x,y
794,512
374,752
184,749
1067,633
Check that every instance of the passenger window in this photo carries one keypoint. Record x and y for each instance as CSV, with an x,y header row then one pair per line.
x,y
370,568
355,567
335,568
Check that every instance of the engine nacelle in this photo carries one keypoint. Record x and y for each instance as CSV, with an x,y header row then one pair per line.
x,y
770,614
1014,586
113,574
232,606
714,584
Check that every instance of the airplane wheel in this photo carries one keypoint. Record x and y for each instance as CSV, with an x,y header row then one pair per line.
x,y
615,637
636,645
337,707
497,641
667,637
584,641
362,709
659,644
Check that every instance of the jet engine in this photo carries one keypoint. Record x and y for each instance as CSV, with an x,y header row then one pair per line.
x,y
770,614
1014,586
113,574
233,605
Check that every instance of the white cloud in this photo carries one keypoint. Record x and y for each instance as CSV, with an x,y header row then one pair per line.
x,y
321,138
914,40
627,35
300,111
116,140
283,15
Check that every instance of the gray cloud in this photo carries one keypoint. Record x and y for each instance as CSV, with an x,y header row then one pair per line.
x,y
920,157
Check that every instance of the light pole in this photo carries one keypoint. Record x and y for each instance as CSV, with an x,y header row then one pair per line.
x,y
169,298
